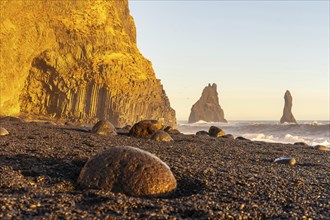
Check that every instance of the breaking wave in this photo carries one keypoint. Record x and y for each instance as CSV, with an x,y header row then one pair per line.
x,y
310,132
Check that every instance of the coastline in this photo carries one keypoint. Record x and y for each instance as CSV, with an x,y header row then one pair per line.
x,y
217,178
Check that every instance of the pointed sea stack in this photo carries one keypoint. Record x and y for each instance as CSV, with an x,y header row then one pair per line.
x,y
287,114
207,108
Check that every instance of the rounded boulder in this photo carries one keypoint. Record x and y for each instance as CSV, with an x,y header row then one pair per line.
x,y
161,136
216,132
128,170
104,127
145,128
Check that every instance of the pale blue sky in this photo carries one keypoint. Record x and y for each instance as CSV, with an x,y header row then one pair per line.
x,y
253,50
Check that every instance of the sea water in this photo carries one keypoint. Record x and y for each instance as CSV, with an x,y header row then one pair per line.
x,y
311,132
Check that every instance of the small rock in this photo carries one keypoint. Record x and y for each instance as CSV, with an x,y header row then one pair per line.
x,y
104,127
216,132
301,143
200,133
242,138
145,128
128,170
161,136
228,136
322,147
3,132
50,123
69,123
11,118
286,160
171,130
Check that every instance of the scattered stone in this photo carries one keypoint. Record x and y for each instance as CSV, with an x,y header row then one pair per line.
x,y
228,136
145,128
3,132
242,138
11,118
286,160
161,136
127,127
50,123
128,170
322,147
301,143
216,132
104,127
287,113
202,133
69,123
171,130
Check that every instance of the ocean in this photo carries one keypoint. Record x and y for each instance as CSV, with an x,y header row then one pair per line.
x,y
311,132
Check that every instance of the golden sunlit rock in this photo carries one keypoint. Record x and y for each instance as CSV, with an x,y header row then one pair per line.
x,y
76,60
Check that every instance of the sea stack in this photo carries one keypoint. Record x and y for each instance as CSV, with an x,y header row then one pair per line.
x,y
207,108
76,60
287,114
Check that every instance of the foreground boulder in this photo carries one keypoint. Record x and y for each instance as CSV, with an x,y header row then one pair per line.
x,y
287,114
207,108
161,136
128,170
216,132
104,127
145,128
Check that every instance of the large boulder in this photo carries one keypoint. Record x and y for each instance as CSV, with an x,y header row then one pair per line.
x,y
161,136
76,60
104,127
215,131
145,128
128,170
287,114
207,108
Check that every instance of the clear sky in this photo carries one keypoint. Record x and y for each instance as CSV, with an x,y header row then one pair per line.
x,y
253,50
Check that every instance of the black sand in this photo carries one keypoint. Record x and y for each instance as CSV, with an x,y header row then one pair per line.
x,y
217,179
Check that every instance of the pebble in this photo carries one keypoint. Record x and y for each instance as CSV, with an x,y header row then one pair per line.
x,y
321,147
3,132
286,160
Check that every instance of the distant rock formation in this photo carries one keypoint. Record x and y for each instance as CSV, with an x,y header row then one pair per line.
x,y
207,108
287,114
76,60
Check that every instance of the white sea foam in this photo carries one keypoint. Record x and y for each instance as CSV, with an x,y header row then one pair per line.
x,y
310,132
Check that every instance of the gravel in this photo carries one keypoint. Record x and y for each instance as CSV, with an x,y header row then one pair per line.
x,y
217,178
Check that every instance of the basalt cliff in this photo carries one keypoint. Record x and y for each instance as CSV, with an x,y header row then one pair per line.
x,y
76,60
287,113
207,108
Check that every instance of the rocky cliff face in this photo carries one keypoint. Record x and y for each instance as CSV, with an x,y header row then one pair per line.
x,y
207,108
76,60
287,114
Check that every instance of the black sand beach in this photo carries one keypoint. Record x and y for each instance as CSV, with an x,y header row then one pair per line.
x,y
217,178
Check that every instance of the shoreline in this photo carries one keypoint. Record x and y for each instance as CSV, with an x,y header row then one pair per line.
x,y
217,178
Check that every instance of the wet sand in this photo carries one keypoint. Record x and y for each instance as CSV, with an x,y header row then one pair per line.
x,y
217,178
